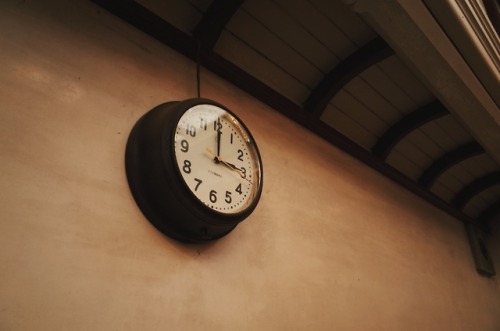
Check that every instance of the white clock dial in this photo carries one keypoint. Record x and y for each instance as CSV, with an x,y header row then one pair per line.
x,y
217,159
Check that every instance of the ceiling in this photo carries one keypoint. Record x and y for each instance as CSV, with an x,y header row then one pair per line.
x,y
345,73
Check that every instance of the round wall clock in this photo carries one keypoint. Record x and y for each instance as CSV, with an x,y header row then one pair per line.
x,y
194,169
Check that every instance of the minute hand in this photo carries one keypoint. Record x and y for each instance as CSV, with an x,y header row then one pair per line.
x,y
219,133
230,166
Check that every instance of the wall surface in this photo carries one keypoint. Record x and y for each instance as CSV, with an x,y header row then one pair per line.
x,y
332,245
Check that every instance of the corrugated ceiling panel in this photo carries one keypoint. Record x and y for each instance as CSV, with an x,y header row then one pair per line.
x,y
456,173
423,143
479,165
426,143
323,29
449,180
180,13
259,37
412,154
389,89
401,163
348,127
454,129
295,33
406,80
415,153
345,19
441,138
356,110
442,191
372,100
239,53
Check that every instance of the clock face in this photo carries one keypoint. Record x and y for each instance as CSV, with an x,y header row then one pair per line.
x,y
217,158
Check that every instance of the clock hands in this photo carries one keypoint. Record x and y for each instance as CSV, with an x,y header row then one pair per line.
x,y
218,159
231,166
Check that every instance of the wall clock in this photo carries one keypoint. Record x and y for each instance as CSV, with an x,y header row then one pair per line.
x,y
194,169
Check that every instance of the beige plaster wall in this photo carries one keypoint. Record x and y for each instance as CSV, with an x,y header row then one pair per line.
x,y
332,245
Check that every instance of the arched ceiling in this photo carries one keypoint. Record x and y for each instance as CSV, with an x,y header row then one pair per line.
x,y
325,67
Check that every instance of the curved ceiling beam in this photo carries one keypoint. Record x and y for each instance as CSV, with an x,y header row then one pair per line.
x,y
487,215
365,57
431,174
209,29
468,192
405,126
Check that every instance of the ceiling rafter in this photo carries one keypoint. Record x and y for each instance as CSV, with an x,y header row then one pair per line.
x,y
477,186
368,55
209,29
448,160
407,125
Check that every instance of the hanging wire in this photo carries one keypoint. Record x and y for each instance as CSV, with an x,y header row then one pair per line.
x,y
198,67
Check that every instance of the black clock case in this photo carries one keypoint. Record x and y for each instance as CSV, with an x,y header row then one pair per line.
x,y
157,184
